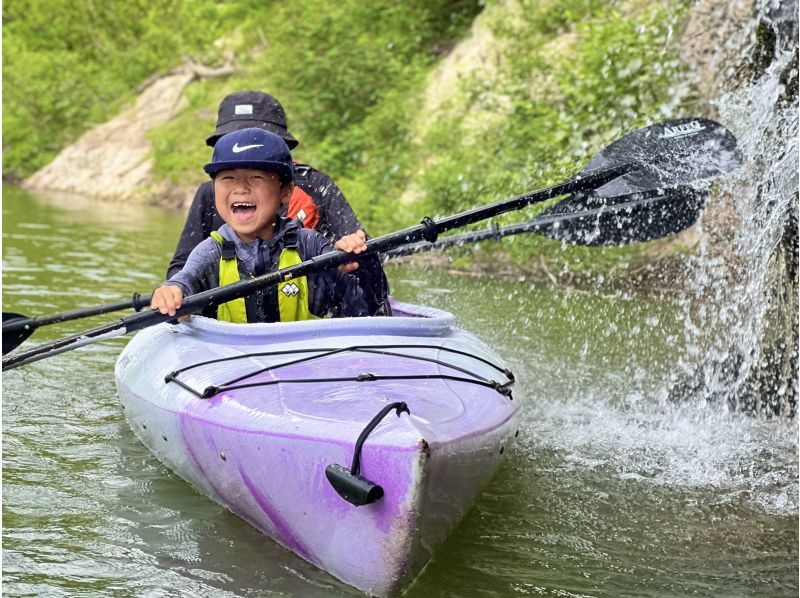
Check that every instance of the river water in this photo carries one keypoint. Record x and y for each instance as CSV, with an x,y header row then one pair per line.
x,y
612,490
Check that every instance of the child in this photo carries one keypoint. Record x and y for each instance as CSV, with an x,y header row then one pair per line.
x,y
252,173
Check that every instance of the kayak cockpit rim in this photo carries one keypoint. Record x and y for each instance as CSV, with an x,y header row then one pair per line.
x,y
408,320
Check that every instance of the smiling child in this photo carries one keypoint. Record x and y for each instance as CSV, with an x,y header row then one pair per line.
x,y
252,173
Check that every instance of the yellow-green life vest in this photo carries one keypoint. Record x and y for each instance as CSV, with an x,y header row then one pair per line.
x,y
292,294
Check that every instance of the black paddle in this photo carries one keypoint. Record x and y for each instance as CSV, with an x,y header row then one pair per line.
x,y
633,208
591,221
686,141
17,328
579,219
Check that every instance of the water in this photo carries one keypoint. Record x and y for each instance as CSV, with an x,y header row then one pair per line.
x,y
613,489
734,312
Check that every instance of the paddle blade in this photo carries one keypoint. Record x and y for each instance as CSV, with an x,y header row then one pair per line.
x,y
675,153
16,328
630,218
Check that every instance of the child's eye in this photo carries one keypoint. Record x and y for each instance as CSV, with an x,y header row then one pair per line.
x,y
256,176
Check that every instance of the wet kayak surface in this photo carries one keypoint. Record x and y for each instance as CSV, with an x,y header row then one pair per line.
x,y
611,489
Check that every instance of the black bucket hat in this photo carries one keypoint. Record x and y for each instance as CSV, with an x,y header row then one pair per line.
x,y
246,109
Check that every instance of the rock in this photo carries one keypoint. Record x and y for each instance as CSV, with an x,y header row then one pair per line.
x,y
112,160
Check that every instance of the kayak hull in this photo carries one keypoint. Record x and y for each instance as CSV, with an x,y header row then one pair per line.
x,y
260,447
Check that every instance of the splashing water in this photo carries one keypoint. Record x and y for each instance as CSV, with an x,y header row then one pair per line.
x,y
737,347
741,316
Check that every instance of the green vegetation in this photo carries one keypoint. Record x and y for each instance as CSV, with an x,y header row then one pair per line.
x,y
349,75
70,64
566,78
579,74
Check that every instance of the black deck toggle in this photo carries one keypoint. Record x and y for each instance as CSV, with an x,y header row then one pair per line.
x,y
504,389
209,392
349,484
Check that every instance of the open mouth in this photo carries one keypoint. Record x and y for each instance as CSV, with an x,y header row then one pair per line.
x,y
243,209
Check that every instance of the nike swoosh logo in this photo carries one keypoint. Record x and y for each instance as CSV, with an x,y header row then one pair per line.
x,y
238,150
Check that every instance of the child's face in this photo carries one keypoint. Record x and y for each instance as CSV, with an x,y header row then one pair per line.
x,y
248,200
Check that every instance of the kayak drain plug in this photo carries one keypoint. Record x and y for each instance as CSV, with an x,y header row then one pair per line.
x,y
350,485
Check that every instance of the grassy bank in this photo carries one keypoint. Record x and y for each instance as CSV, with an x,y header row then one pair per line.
x,y
556,81
69,65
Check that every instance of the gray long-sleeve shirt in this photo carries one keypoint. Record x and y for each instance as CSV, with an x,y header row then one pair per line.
x,y
330,292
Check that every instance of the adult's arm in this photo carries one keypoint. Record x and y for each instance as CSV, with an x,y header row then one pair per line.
x,y
333,291
337,219
201,220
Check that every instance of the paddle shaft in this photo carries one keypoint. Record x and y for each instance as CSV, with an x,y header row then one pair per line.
x,y
138,303
540,224
428,230
23,326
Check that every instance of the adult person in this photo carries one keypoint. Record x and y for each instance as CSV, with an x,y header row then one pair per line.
x,y
316,201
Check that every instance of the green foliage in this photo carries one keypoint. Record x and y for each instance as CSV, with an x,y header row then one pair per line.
x,y
69,64
605,73
573,76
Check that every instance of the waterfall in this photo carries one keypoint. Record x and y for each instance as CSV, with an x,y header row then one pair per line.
x,y
740,319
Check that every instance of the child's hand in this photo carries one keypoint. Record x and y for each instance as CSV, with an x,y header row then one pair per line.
x,y
355,243
167,299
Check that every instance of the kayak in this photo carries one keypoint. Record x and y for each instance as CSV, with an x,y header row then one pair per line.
x,y
356,443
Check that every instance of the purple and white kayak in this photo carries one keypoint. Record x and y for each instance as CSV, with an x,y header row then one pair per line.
x,y
357,443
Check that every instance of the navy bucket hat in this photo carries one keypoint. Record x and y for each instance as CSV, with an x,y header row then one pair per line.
x,y
251,148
